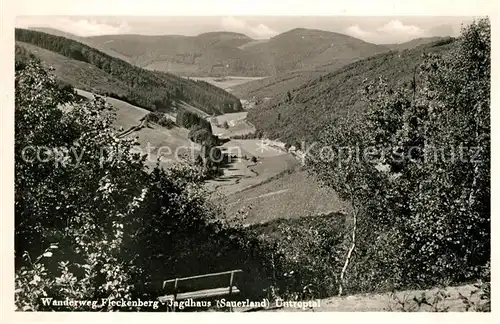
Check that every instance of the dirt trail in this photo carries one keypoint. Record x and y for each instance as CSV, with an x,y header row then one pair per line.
x,y
385,302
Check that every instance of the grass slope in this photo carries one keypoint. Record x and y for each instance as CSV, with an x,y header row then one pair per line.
x,y
334,94
291,195
154,140
84,40
79,74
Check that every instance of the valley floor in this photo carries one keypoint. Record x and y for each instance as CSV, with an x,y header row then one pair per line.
x,y
269,188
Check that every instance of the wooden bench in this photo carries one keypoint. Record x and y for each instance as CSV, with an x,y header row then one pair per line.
x,y
207,286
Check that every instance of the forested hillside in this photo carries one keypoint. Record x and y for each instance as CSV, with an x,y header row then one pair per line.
x,y
300,114
151,90
415,43
276,85
415,165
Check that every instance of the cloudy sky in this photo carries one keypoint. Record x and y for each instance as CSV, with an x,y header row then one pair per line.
x,y
391,29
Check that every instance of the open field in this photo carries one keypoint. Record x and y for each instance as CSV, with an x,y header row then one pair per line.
x,y
272,187
153,139
127,115
243,173
288,196
227,83
237,122
192,109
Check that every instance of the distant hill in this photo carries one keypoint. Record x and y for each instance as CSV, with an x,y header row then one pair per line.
x,y
80,39
302,114
57,32
307,48
89,69
214,53
415,43
282,83
226,53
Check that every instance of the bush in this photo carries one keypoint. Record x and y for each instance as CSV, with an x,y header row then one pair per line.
x,y
98,224
418,220
160,119
166,122
189,120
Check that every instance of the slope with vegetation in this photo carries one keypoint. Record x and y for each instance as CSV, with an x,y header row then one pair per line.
x,y
415,165
151,90
117,229
302,113
280,84
415,43
80,39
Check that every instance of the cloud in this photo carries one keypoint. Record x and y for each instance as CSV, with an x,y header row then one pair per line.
x,y
78,26
357,31
86,27
241,26
396,27
393,31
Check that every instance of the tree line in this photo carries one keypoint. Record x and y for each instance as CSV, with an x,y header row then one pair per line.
x,y
150,90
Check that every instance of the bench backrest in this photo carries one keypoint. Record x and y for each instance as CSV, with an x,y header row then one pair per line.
x,y
201,282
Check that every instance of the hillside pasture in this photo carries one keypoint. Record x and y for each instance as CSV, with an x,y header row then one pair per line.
x,y
227,83
156,141
238,125
242,173
79,74
127,115
289,195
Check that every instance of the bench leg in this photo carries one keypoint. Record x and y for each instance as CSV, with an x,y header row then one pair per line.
x,y
231,289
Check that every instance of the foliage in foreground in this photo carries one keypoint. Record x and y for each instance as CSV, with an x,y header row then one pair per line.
x,y
85,206
92,222
416,168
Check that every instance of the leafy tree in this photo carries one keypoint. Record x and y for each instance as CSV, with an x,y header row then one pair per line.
x,y
188,120
91,221
416,167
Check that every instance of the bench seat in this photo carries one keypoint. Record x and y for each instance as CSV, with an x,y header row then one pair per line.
x,y
205,293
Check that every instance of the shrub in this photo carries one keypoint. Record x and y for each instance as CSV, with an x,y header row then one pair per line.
x,y
91,221
418,220
160,119
189,120
166,122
